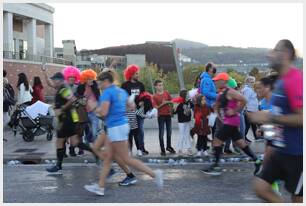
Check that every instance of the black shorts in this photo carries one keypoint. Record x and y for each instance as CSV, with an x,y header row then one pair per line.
x,y
67,129
288,168
229,132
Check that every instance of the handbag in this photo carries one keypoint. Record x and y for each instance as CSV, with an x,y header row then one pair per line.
x,y
81,110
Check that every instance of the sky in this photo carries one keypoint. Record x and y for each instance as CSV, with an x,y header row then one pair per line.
x,y
99,25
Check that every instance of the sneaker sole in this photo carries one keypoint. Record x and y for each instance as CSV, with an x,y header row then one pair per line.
x,y
99,194
131,183
211,173
55,173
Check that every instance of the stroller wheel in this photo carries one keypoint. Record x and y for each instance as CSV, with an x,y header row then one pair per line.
x,y
28,136
49,136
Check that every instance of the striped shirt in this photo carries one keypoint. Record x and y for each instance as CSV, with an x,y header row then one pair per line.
x,y
131,115
140,112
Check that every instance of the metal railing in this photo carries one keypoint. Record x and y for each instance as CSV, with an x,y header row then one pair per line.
x,y
34,58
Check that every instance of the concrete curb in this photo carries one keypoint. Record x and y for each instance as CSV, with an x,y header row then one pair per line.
x,y
148,159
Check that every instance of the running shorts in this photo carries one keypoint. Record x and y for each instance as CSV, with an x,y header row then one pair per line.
x,y
288,168
67,129
228,131
118,133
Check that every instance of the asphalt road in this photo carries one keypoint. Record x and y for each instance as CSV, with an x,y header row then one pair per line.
x,y
183,184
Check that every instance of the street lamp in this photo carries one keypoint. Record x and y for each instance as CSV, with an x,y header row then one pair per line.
x,y
179,69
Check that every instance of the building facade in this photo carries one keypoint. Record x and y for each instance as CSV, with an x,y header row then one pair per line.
x,y
27,30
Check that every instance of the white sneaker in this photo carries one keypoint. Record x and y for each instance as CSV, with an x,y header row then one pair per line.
x,y
139,153
94,188
159,178
199,154
205,153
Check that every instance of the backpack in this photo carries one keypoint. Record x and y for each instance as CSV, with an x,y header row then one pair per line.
x,y
223,99
11,91
8,100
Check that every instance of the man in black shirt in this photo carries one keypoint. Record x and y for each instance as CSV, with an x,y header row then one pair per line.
x,y
135,87
67,121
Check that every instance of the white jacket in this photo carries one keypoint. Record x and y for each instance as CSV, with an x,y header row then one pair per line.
x,y
23,95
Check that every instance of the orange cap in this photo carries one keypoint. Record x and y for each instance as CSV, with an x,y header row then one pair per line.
x,y
221,76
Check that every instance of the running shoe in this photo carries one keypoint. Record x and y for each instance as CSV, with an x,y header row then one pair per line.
x,y
94,188
171,150
145,152
159,178
81,152
257,166
163,153
212,170
54,170
128,181
139,153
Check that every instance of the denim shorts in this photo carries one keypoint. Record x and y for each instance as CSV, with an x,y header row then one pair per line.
x,y
118,133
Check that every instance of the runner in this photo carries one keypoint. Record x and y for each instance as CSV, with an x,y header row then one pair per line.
x,y
228,107
264,91
285,162
67,121
72,78
113,103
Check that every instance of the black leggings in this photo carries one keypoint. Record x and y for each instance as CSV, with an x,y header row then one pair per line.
x,y
202,142
134,133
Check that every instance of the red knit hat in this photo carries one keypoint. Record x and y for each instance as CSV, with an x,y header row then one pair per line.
x,y
130,71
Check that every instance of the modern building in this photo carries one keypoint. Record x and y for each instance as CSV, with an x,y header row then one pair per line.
x,y
27,30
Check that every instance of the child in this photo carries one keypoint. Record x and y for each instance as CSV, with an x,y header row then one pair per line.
x,y
162,102
134,132
201,128
183,111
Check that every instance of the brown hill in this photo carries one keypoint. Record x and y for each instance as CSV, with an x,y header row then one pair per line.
x,y
160,55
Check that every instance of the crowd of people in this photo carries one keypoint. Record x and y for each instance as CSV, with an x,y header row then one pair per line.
x,y
110,116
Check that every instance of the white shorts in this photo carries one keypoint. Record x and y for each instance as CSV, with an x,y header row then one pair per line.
x,y
119,133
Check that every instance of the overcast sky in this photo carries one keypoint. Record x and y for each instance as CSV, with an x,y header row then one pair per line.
x,y
98,25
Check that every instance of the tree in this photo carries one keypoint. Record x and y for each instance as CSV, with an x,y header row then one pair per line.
x,y
239,77
254,72
190,73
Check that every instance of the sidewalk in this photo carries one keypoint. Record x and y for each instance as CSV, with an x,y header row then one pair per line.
x,y
40,149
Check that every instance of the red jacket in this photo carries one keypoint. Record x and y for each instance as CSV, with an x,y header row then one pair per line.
x,y
38,94
201,120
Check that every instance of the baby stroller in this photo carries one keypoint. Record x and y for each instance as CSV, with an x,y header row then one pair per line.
x,y
31,127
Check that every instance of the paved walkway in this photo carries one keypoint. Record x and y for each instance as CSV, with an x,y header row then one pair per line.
x,y
41,149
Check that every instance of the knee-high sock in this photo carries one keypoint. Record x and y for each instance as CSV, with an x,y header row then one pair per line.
x,y
247,150
60,153
218,151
